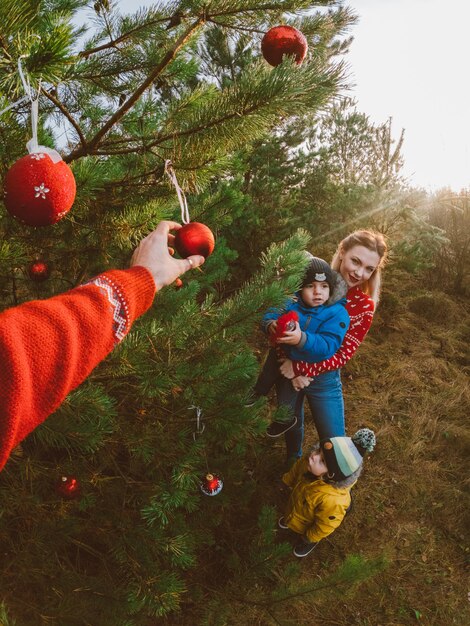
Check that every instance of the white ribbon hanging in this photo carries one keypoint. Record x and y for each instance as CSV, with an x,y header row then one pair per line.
x,y
181,197
32,145
200,427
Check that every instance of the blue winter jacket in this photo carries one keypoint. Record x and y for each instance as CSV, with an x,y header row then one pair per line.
x,y
323,328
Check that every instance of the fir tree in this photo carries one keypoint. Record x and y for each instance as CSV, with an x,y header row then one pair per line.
x,y
142,542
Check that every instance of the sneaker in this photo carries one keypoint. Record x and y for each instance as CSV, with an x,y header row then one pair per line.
x,y
282,523
276,429
304,548
251,398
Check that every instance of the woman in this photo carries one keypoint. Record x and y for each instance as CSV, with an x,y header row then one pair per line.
x,y
359,259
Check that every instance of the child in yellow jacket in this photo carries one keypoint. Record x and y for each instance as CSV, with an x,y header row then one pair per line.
x,y
321,482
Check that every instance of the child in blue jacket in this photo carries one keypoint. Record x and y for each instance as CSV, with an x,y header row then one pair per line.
x,y
319,332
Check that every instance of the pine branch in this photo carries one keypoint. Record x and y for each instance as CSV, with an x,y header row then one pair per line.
x,y
169,56
113,43
63,109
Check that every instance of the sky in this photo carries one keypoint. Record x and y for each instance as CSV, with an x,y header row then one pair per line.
x,y
409,61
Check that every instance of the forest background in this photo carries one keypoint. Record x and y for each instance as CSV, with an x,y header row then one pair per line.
x,y
273,160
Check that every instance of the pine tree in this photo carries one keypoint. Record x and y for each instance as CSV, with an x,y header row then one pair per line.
x,y
143,542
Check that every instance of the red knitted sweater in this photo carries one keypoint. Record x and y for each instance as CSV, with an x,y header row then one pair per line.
x,y
361,311
48,347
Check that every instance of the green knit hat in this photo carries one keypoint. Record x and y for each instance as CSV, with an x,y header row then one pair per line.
x,y
343,455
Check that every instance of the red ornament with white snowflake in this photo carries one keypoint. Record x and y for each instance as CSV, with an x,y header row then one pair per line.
x,y
283,40
39,270
69,487
37,191
211,484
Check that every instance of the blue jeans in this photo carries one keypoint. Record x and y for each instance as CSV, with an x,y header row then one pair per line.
x,y
324,396
325,399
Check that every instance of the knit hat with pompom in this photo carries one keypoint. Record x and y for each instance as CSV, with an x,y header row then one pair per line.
x,y
343,455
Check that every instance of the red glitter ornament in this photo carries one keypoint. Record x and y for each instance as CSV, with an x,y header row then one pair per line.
x,y
69,487
282,40
39,270
284,324
37,191
211,484
194,238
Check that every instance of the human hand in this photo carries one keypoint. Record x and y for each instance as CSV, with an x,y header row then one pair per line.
x,y
291,337
272,328
287,369
300,382
153,254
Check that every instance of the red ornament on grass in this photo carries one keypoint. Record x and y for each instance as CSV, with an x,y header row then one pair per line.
x,y
39,270
68,487
211,484
282,40
194,238
37,191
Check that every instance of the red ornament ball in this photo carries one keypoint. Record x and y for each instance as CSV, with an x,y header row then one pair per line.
x,y
211,484
39,270
282,40
68,487
178,283
37,191
194,238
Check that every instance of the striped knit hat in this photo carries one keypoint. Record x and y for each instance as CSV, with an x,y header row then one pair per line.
x,y
343,455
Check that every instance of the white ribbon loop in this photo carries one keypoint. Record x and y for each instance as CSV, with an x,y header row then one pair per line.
x,y
181,197
32,146
200,427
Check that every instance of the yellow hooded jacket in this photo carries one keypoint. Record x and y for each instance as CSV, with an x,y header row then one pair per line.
x,y
315,508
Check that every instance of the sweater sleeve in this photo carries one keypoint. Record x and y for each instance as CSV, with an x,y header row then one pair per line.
x,y
48,347
361,312
325,341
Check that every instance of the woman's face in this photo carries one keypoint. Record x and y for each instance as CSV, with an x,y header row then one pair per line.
x,y
357,265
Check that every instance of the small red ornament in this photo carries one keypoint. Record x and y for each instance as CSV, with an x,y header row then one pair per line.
x,y
285,323
37,191
211,484
282,40
39,270
178,283
194,238
68,487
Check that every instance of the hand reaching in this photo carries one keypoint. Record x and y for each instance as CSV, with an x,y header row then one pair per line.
x,y
153,254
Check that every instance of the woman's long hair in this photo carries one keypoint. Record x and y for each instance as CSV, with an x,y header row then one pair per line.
x,y
372,241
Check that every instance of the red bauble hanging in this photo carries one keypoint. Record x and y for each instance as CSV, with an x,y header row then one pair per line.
x,y
282,40
178,283
39,270
211,484
68,487
194,238
39,192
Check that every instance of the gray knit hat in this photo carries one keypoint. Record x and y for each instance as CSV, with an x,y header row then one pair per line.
x,y
318,270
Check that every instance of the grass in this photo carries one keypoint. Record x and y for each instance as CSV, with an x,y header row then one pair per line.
x,y
409,382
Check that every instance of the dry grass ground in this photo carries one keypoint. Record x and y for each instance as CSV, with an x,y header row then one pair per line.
x,y
409,382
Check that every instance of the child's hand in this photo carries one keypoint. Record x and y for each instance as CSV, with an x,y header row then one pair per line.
x,y
287,369
292,337
272,328
300,382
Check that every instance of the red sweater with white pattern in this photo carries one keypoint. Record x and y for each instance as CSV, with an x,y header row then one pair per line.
x,y
361,312
48,347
